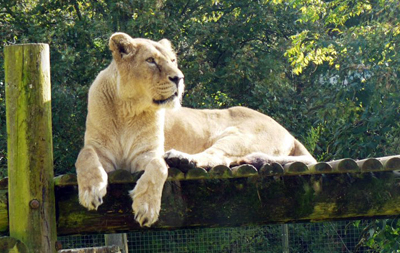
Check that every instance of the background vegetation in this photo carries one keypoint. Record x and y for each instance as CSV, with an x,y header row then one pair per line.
x,y
326,70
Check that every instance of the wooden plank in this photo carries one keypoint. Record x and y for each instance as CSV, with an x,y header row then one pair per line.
x,y
175,174
320,167
370,164
271,196
390,162
197,173
105,249
120,176
240,201
295,168
221,171
344,165
244,170
66,179
30,147
273,169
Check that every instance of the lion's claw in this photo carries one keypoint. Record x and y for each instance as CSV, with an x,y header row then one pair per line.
x,y
92,198
146,205
146,218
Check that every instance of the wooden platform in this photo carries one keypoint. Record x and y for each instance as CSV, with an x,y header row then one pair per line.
x,y
194,197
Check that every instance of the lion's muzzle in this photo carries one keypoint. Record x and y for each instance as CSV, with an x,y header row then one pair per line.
x,y
176,79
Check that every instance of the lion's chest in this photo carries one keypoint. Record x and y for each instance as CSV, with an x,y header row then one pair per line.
x,y
136,138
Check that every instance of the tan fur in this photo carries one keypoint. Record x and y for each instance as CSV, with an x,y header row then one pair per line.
x,y
125,128
235,135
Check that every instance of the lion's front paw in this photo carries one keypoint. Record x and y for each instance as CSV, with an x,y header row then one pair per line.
x,y
91,197
146,202
92,186
180,160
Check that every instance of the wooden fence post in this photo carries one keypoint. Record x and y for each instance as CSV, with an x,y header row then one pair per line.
x,y
119,240
30,148
285,238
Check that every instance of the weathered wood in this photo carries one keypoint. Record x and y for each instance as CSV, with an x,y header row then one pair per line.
x,y
295,168
66,179
197,173
30,148
344,165
271,196
370,164
390,162
285,238
221,171
9,244
244,170
120,176
240,201
119,240
320,167
105,249
273,169
175,174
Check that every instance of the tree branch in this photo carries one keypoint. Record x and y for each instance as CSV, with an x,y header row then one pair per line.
x,y
78,12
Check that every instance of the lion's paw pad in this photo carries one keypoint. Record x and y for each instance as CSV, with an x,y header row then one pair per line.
x,y
180,160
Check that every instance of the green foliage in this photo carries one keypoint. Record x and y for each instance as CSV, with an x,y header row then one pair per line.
x,y
230,52
326,70
380,235
326,67
348,49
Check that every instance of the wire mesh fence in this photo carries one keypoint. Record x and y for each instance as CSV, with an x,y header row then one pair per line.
x,y
341,236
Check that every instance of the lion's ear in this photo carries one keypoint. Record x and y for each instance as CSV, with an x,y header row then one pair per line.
x,y
167,44
121,46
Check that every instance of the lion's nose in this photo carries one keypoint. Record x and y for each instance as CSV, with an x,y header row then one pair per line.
x,y
176,79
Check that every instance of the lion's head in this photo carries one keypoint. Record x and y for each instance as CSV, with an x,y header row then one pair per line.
x,y
147,70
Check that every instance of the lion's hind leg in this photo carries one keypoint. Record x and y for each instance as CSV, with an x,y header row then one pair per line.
x,y
226,148
92,179
258,159
207,159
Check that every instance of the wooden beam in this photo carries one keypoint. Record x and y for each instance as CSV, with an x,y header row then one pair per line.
x,y
241,201
326,191
105,249
30,150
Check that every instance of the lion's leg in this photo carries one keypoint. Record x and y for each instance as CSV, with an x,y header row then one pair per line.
x,y
226,148
209,158
258,159
92,178
147,193
298,154
233,147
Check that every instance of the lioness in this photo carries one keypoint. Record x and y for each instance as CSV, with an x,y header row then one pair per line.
x,y
125,128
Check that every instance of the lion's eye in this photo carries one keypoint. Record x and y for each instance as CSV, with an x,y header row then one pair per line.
x,y
150,60
173,60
